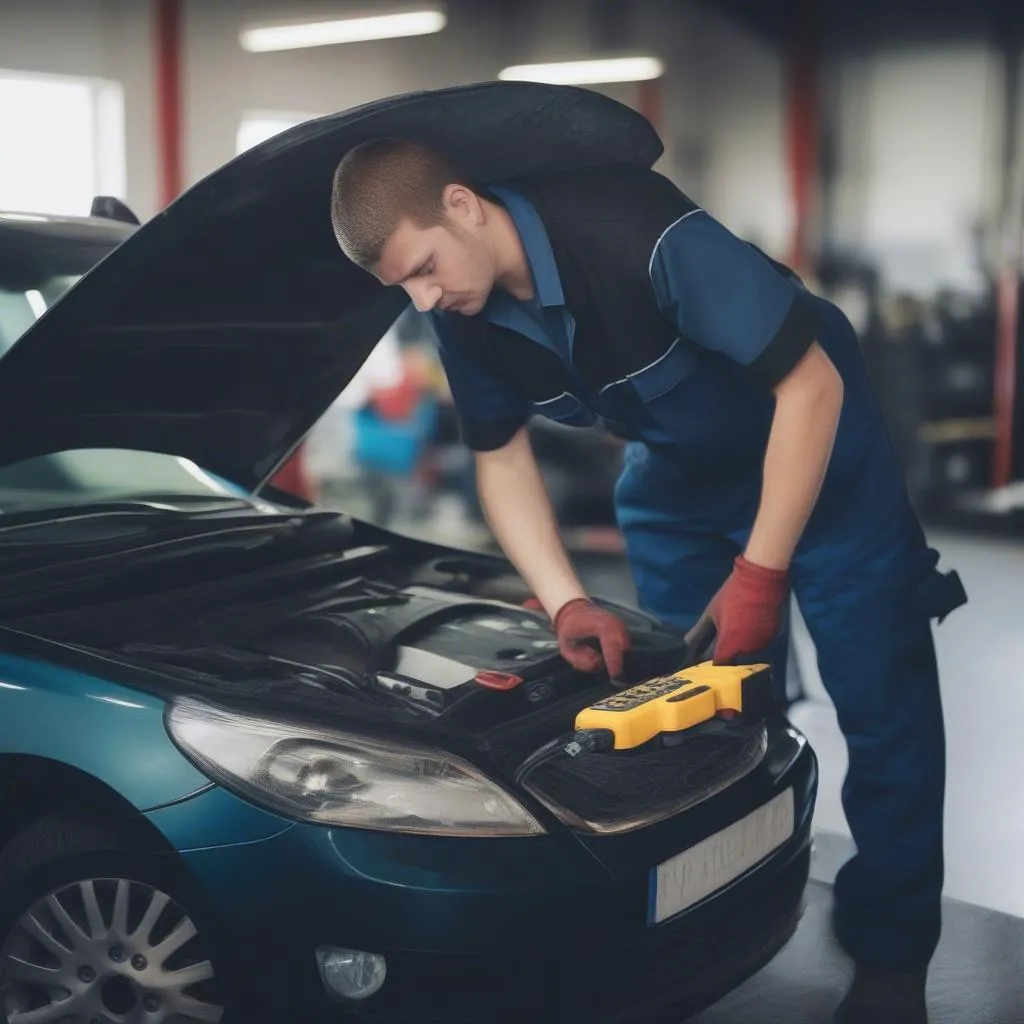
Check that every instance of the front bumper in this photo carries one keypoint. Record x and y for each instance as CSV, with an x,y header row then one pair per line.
x,y
493,930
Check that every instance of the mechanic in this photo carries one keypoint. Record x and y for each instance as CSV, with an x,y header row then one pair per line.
x,y
757,465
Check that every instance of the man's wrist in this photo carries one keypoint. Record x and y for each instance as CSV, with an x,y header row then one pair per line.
x,y
564,609
767,556
776,576
554,603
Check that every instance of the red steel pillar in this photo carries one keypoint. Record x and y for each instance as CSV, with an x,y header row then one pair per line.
x,y
1005,397
1008,302
649,96
802,84
167,28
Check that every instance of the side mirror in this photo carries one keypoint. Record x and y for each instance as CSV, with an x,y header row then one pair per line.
x,y
111,208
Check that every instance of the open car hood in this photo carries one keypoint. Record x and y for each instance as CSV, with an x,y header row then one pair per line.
x,y
223,328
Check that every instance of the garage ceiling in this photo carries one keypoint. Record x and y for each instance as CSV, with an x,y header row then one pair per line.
x,y
856,23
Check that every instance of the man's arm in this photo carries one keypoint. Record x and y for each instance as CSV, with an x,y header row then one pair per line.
x,y
492,414
518,509
725,296
729,299
747,610
808,403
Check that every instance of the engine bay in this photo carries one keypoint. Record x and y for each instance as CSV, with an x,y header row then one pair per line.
x,y
394,636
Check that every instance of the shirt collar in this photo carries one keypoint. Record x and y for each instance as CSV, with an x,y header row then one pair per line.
x,y
535,241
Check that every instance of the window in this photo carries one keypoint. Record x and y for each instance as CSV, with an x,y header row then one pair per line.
x,y
62,140
258,126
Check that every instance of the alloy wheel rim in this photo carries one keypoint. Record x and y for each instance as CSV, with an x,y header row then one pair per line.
x,y
106,951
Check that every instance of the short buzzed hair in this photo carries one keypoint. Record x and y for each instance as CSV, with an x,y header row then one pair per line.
x,y
380,183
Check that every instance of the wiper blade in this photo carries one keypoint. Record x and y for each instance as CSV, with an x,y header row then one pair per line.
x,y
170,499
157,503
22,527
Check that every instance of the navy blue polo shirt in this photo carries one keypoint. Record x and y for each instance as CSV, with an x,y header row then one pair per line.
x,y
728,307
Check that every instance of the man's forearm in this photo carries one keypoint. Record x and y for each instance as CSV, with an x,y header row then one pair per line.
x,y
518,509
808,404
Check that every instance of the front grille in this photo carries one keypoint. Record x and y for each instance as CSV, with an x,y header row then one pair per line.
x,y
621,791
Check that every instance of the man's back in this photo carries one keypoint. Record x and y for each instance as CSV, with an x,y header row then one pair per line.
x,y
647,279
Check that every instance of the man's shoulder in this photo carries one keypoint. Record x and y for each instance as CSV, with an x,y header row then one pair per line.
x,y
605,223
618,193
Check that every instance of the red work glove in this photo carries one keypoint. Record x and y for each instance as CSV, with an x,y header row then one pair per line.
x,y
579,621
747,611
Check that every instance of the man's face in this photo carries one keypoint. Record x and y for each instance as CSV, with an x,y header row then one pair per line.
x,y
446,267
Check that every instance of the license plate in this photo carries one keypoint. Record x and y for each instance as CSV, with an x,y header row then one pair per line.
x,y
690,876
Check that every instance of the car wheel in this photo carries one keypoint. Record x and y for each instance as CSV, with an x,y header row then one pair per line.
x,y
92,933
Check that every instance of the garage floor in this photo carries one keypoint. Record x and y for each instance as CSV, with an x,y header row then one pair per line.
x,y
976,976
981,666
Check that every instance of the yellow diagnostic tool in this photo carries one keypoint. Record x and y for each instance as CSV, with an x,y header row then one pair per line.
x,y
669,704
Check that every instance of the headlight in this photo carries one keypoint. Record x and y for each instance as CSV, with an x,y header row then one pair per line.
x,y
336,778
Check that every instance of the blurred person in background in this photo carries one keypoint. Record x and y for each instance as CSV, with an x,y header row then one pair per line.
x,y
757,464
392,435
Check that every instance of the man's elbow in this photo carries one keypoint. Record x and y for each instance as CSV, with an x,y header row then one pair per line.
x,y
813,380
511,448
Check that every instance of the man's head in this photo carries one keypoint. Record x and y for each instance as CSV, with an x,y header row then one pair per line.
x,y
406,214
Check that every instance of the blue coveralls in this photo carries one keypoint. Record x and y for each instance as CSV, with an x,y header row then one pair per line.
x,y
863,575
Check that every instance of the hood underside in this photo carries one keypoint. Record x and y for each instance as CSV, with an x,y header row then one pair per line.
x,y
222,329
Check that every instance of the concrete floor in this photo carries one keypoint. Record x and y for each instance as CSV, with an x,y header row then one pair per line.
x,y
981,659
976,976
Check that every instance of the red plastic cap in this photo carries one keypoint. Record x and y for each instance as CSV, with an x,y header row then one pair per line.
x,y
497,680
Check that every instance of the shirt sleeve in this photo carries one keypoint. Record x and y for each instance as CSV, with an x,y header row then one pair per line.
x,y
726,296
490,409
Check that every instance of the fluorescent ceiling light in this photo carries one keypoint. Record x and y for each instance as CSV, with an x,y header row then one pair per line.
x,y
291,36
587,72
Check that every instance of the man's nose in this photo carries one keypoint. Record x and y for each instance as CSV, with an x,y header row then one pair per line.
x,y
424,296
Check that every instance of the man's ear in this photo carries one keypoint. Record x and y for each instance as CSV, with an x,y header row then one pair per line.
x,y
463,204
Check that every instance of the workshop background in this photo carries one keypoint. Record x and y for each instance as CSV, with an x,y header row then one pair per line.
x,y
876,147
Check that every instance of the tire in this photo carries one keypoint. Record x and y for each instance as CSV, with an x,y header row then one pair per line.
x,y
150,953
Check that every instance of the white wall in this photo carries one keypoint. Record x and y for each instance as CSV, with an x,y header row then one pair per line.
x,y
918,155
92,38
740,88
223,81
701,98
918,130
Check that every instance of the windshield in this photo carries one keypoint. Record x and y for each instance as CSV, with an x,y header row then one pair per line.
x,y
39,262
23,302
40,259
88,476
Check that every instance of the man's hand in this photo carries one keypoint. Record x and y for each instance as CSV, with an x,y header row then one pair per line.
x,y
747,611
578,623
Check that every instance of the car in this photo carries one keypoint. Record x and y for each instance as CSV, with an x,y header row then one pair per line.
x,y
263,760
